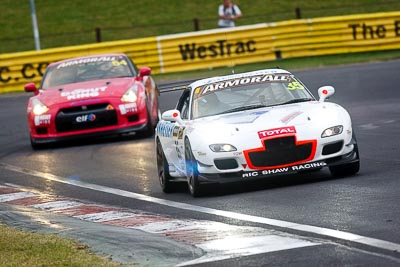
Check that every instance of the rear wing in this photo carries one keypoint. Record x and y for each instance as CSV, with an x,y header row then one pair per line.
x,y
175,86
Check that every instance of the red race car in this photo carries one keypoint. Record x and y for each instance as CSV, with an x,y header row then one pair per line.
x,y
92,96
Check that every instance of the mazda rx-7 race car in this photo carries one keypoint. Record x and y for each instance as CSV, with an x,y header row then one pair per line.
x,y
92,96
250,126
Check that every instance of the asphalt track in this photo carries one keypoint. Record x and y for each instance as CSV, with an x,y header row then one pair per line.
x,y
350,221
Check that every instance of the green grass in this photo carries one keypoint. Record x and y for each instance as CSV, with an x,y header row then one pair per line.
x,y
20,248
73,22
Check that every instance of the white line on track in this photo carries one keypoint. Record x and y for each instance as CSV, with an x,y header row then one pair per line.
x,y
105,216
57,205
15,196
373,242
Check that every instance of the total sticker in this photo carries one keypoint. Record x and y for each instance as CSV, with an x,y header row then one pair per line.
x,y
127,108
42,119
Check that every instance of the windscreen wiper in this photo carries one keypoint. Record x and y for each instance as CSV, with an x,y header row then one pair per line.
x,y
243,108
297,100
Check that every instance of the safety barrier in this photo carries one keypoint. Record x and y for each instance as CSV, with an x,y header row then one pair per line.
x,y
223,47
287,39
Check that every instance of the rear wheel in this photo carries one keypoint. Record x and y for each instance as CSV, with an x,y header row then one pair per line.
x,y
347,169
163,171
192,172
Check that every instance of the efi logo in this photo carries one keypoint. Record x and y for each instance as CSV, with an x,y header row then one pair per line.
x,y
91,117
85,118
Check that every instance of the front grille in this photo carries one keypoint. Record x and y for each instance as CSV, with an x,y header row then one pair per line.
x,y
332,148
84,108
281,151
226,164
85,117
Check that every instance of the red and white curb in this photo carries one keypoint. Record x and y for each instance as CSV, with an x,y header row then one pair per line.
x,y
218,240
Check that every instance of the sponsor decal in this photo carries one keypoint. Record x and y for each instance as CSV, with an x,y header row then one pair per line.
x,y
290,169
175,131
243,117
201,153
179,150
276,131
42,119
26,72
290,117
85,60
117,63
220,48
295,85
165,129
362,31
240,81
127,108
83,93
85,118
180,133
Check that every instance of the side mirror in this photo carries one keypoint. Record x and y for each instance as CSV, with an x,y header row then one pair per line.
x,y
144,71
31,87
325,92
172,115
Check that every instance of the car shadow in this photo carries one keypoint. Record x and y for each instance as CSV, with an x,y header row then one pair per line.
x,y
94,141
282,181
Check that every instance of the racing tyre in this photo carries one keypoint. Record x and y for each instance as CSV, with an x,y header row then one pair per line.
x,y
35,145
192,172
346,169
163,172
150,126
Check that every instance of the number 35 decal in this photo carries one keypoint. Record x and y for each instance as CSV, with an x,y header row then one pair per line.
x,y
295,85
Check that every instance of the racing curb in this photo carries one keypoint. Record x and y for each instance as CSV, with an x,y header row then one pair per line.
x,y
161,240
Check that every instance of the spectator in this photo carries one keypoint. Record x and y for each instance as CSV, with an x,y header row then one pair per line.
x,y
228,13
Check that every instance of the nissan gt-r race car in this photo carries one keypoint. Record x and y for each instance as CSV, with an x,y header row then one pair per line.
x,y
92,96
250,126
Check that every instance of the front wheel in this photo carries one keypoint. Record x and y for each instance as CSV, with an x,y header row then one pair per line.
x,y
150,126
35,145
192,172
163,171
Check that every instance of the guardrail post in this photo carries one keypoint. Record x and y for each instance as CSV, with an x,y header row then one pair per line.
x,y
98,35
298,13
196,24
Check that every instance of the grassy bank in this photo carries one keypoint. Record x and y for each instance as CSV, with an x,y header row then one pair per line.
x,y
19,248
73,22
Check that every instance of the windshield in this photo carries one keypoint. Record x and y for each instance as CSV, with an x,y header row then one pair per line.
x,y
87,69
246,93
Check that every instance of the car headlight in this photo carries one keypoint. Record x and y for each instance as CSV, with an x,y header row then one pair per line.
x,y
130,95
331,131
38,108
222,148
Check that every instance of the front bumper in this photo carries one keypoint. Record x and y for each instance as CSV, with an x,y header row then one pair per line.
x,y
90,135
351,157
97,119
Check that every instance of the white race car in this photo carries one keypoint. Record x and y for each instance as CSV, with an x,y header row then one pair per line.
x,y
252,125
